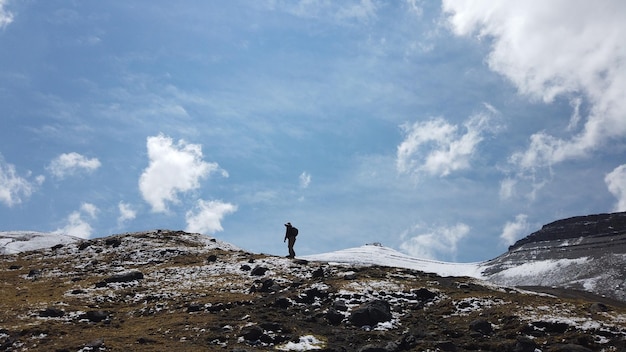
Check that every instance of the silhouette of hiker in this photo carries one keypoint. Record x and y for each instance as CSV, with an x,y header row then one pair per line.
x,y
290,234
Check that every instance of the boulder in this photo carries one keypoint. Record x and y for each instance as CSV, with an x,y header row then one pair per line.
x,y
371,313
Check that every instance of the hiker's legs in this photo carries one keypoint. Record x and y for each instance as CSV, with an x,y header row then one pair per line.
x,y
292,241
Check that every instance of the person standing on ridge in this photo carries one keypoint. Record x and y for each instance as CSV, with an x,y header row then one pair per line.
x,y
290,234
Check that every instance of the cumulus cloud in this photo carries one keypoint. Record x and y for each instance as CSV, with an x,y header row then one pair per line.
x,y
14,188
70,164
435,243
616,182
207,216
77,225
438,148
572,49
514,230
173,169
127,213
6,17
305,180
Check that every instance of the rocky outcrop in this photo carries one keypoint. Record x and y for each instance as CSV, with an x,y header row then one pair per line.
x,y
603,226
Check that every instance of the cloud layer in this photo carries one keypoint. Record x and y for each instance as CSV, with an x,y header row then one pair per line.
x,y
586,60
69,164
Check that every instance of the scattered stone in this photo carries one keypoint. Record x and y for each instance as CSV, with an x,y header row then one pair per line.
x,y
317,274
424,294
57,246
113,241
482,326
34,273
245,267
252,333
334,317
15,267
52,313
340,305
371,313
525,344
446,346
125,277
570,348
96,316
194,307
259,271
145,341
282,302
212,258
598,307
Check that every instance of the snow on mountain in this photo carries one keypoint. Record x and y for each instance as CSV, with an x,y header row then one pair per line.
x,y
376,254
12,242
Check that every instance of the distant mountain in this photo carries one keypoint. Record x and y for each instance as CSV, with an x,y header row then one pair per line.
x,y
22,241
584,252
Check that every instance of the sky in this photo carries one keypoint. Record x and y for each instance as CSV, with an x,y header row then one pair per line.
x,y
445,130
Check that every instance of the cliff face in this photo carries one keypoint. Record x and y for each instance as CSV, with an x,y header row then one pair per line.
x,y
585,252
598,225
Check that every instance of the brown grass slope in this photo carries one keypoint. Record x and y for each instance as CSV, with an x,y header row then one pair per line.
x,y
170,290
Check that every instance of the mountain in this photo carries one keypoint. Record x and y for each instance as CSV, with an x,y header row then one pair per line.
x,y
22,241
584,252
171,290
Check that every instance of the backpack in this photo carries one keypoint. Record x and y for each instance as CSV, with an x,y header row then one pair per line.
x,y
294,231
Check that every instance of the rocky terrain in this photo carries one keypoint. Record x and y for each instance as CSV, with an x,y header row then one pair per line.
x,y
170,290
584,253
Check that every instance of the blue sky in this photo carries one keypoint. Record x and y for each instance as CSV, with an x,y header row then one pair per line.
x,y
446,130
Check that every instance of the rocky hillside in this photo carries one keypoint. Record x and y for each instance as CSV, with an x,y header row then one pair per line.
x,y
585,252
169,290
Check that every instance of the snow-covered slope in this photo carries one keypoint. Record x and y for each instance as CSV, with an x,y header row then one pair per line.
x,y
12,242
376,254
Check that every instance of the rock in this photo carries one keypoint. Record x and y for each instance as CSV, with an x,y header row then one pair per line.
x,y
334,317
113,241
194,307
145,341
317,274
34,273
52,313
445,346
570,348
259,271
245,267
372,348
96,316
252,333
125,277
424,295
282,302
340,305
482,326
84,245
524,344
15,267
57,246
371,313
598,307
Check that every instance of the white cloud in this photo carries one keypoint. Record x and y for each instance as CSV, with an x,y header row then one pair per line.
x,y
616,183
207,216
436,147
127,213
14,188
69,164
173,169
6,17
569,48
76,225
435,243
514,230
305,179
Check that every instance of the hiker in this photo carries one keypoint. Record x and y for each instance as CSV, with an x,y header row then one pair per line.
x,y
290,234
